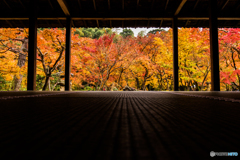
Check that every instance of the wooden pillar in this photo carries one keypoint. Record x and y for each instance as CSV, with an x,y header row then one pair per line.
x,y
32,47
68,54
175,53
214,48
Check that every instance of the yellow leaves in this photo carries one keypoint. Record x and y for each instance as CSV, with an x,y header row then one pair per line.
x,y
193,52
158,41
8,77
103,54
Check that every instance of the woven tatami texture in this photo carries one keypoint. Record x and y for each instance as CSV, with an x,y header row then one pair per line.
x,y
116,125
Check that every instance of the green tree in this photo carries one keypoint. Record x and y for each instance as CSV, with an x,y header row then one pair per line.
x,y
98,34
109,31
127,32
79,32
93,33
141,33
88,32
154,31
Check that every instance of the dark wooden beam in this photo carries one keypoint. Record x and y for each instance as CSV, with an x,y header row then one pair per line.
x,y
198,23
32,47
195,6
237,8
109,6
97,23
80,10
167,18
237,24
80,5
186,23
225,22
64,7
9,23
24,26
137,3
13,23
238,5
94,5
148,23
122,23
205,18
73,25
7,4
68,54
161,22
180,7
22,4
175,53
124,18
152,4
214,48
50,3
110,23
193,18
224,5
85,23
48,24
135,24
123,5
204,23
60,23
166,4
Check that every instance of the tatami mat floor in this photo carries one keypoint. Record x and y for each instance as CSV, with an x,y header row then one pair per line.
x,y
117,125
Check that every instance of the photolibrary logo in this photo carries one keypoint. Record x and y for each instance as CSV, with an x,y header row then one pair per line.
x,y
212,153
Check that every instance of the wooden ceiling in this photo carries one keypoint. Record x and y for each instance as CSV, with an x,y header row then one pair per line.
x,y
119,13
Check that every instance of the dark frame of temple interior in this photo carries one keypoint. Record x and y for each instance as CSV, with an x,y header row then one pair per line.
x,y
119,125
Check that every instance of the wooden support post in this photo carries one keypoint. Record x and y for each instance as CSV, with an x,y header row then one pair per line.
x,y
32,47
180,7
68,55
214,48
175,53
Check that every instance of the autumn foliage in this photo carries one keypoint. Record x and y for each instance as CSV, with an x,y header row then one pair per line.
x,y
104,60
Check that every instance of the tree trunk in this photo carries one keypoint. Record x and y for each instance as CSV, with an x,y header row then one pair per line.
x,y
138,84
159,84
145,79
120,76
49,86
144,84
188,85
167,85
205,77
46,82
126,79
17,82
171,85
238,82
21,63
196,83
